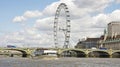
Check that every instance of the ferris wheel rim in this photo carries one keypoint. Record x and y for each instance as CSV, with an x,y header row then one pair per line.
x,y
67,35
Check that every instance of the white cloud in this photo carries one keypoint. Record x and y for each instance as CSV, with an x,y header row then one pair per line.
x,y
114,16
79,8
92,26
117,1
19,19
45,24
27,15
83,7
92,4
32,14
50,9
83,23
29,37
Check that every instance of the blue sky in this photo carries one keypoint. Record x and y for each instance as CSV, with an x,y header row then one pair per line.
x,y
113,6
87,17
11,8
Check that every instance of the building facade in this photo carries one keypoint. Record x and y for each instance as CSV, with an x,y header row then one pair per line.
x,y
113,28
111,39
88,43
112,42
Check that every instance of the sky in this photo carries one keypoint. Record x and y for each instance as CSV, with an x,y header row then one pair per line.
x,y
29,23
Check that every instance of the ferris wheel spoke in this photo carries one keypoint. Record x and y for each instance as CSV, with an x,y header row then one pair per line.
x,y
62,27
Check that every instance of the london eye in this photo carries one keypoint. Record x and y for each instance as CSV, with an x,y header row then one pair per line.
x,y
63,27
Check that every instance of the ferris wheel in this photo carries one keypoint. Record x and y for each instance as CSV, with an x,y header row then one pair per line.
x,y
59,27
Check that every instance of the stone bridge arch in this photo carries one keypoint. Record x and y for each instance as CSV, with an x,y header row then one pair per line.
x,y
116,54
98,53
24,53
72,53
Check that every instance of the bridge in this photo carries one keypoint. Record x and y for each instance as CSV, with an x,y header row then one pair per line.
x,y
89,53
70,52
23,52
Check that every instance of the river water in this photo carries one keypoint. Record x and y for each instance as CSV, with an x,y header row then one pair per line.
x,y
60,62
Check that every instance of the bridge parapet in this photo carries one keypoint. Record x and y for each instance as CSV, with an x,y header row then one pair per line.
x,y
86,52
108,53
24,51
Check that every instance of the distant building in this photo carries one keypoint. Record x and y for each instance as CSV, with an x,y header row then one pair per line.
x,y
80,45
112,42
114,28
111,39
88,43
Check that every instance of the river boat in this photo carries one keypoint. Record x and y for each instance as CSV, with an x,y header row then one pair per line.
x,y
46,54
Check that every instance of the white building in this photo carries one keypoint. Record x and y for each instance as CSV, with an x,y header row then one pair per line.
x,y
114,28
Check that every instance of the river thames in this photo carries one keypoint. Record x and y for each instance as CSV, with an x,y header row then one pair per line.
x,y
60,62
